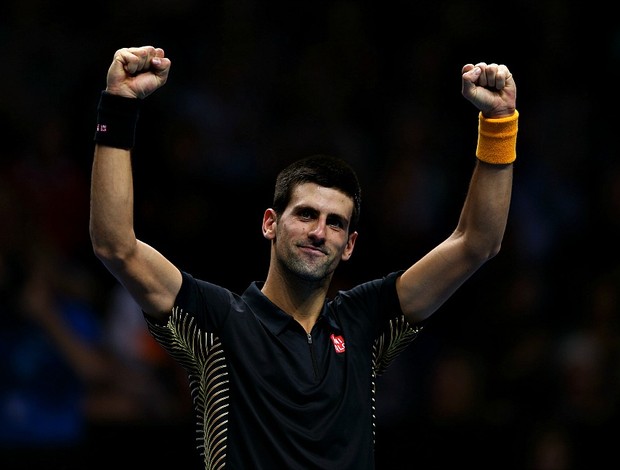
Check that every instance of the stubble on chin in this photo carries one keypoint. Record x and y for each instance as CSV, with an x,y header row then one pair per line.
x,y
307,269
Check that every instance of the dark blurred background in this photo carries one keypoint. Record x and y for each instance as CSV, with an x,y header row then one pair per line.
x,y
519,370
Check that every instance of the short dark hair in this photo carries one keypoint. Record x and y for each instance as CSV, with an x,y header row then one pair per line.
x,y
324,170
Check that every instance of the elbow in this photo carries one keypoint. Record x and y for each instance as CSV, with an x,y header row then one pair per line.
x,y
493,251
482,249
104,253
486,251
110,249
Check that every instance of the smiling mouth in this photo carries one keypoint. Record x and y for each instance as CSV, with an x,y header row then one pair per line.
x,y
313,249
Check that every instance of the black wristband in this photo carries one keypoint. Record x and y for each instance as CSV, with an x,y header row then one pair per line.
x,y
117,117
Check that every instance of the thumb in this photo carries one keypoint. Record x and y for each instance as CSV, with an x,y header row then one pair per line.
x,y
469,79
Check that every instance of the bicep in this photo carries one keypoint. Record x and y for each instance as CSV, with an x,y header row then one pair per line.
x,y
426,285
151,279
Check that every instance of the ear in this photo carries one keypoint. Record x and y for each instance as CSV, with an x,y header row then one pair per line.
x,y
269,224
348,250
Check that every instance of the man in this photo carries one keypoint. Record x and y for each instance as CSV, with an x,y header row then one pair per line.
x,y
282,377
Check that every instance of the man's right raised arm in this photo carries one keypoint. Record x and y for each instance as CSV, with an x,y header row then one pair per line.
x,y
151,279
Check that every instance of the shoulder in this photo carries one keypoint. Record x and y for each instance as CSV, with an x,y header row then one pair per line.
x,y
375,294
194,290
205,301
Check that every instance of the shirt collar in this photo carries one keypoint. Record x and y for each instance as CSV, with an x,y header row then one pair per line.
x,y
269,314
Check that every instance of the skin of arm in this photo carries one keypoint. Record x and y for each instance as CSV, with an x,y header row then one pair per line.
x,y
151,279
154,281
426,285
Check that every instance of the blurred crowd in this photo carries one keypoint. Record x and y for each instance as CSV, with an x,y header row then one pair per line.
x,y
520,369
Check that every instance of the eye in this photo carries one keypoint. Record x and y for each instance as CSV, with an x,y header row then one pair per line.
x,y
305,214
335,222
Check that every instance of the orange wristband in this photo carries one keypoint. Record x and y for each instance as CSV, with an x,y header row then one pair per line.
x,y
497,139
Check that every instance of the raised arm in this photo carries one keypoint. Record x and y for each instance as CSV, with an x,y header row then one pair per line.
x,y
150,278
426,285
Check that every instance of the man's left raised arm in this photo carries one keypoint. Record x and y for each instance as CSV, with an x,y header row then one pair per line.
x,y
426,285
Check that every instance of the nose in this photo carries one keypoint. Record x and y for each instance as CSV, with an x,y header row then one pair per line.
x,y
318,230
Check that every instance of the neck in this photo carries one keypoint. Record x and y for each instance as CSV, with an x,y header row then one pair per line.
x,y
301,299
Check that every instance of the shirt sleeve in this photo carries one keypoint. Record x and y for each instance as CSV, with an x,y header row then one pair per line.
x,y
209,304
395,333
192,329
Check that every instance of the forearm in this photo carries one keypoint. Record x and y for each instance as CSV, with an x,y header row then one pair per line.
x,y
485,213
111,208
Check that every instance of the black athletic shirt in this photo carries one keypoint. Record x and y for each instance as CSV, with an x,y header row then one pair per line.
x,y
266,394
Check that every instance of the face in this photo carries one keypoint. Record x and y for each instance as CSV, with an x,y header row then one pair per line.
x,y
311,237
